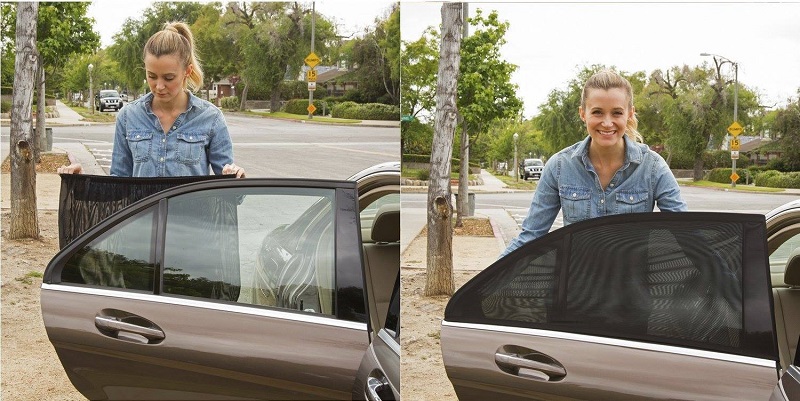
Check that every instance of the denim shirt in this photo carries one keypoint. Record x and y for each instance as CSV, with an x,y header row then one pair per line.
x,y
197,139
569,182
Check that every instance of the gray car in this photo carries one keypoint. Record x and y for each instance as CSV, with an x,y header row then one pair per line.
x,y
680,306
234,289
108,99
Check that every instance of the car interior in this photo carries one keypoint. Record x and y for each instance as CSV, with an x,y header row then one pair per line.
x,y
787,309
382,256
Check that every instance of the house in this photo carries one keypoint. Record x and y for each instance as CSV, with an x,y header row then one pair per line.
x,y
761,150
330,81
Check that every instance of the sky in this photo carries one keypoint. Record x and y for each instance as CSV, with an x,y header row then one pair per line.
x,y
551,42
351,16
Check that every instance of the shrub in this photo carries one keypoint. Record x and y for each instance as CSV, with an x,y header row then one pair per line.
x,y
5,106
764,177
300,106
423,174
230,103
780,180
722,175
368,111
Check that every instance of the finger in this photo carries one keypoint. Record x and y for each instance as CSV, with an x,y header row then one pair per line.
x,y
240,173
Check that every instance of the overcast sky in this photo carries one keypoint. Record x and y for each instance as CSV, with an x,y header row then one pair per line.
x,y
551,42
351,16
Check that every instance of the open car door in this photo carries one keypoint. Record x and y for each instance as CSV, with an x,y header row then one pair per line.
x,y
636,306
224,289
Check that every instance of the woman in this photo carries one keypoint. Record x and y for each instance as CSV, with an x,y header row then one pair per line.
x,y
170,131
609,172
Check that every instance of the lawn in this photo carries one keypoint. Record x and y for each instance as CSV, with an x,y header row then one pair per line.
x,y
290,116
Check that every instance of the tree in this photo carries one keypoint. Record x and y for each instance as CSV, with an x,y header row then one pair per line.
x,y
215,46
24,222
419,62
787,127
439,280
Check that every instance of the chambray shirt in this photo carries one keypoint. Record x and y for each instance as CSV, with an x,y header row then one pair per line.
x,y
197,139
569,182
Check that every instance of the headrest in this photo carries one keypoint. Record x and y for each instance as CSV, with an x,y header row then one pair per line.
x,y
386,226
792,274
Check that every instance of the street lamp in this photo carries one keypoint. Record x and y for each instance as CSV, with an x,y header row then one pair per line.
x,y
516,165
735,103
91,95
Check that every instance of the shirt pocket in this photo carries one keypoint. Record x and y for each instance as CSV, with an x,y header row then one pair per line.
x,y
576,203
191,147
140,144
632,202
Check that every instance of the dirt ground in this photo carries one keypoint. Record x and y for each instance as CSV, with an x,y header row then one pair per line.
x,y
30,368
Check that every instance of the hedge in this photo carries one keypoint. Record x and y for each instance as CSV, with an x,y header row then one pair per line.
x,y
230,103
367,111
410,158
5,106
300,106
711,160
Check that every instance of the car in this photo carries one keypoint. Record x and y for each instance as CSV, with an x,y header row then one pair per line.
x,y
123,96
531,168
107,99
689,306
232,289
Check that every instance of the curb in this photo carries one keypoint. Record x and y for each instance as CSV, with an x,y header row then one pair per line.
x,y
361,124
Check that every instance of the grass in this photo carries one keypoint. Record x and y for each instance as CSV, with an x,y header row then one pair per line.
x,y
414,174
97,117
513,183
290,116
739,187
27,278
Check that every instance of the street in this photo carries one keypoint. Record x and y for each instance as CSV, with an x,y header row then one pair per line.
x,y
269,147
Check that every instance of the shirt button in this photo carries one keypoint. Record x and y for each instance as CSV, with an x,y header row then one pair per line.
x,y
162,159
138,136
574,195
602,201
174,127
631,198
163,139
611,185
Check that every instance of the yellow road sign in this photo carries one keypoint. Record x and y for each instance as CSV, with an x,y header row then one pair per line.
x,y
735,142
311,109
735,129
311,75
312,60
734,177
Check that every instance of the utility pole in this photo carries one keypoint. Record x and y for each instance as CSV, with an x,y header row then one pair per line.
x,y
312,73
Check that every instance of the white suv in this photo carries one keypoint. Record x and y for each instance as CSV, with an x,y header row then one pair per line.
x,y
531,168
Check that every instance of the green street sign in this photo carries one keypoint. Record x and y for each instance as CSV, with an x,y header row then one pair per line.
x,y
406,118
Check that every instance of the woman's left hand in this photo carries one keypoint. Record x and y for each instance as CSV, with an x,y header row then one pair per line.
x,y
233,169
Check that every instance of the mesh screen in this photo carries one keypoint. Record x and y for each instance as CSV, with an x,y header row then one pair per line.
x,y
635,281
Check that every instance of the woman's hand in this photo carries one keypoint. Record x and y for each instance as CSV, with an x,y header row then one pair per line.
x,y
74,168
233,169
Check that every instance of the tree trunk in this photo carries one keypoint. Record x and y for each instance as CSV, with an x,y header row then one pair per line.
x,y
23,222
698,168
439,280
40,136
244,98
274,101
463,177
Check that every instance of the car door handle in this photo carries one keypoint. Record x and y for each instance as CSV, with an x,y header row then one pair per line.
x,y
376,386
513,362
115,325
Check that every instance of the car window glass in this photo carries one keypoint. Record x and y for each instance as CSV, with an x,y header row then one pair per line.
x,y
122,257
779,257
393,316
262,246
674,282
367,215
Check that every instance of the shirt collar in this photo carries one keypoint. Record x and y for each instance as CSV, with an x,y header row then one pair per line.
x,y
633,153
148,101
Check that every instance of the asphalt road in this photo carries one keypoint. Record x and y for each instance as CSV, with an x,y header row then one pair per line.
x,y
272,148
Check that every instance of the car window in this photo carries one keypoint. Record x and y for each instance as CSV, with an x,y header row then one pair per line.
x,y
779,257
674,279
393,316
122,257
367,215
264,246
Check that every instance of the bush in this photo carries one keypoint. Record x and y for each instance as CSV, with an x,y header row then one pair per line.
x,y
764,177
230,103
722,175
368,111
5,106
300,106
776,179
423,175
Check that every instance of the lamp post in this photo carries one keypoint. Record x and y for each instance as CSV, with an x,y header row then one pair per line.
x,y
516,164
735,105
91,95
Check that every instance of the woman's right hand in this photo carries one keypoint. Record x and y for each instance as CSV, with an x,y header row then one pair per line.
x,y
74,168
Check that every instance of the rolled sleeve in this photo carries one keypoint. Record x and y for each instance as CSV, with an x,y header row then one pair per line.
x,y
667,192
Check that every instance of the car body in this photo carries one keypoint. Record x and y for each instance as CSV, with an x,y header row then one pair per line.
x,y
123,96
107,99
234,289
682,306
531,168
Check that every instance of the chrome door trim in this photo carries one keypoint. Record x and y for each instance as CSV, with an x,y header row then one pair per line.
x,y
617,342
390,341
243,308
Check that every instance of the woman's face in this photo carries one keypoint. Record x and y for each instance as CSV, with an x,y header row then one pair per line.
x,y
606,115
166,77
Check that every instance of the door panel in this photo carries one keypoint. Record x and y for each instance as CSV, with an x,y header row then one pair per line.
x,y
208,350
661,305
594,370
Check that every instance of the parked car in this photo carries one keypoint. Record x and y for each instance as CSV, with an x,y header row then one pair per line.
x,y
123,96
235,289
531,168
682,306
107,99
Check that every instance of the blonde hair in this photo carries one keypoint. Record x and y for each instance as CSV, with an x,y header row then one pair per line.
x,y
608,79
176,39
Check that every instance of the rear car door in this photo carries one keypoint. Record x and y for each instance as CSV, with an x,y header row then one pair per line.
x,y
638,306
225,289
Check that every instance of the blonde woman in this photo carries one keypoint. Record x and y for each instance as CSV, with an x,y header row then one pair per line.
x,y
170,131
609,172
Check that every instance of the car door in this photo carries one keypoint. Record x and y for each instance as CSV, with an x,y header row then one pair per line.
x,y
638,306
224,289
